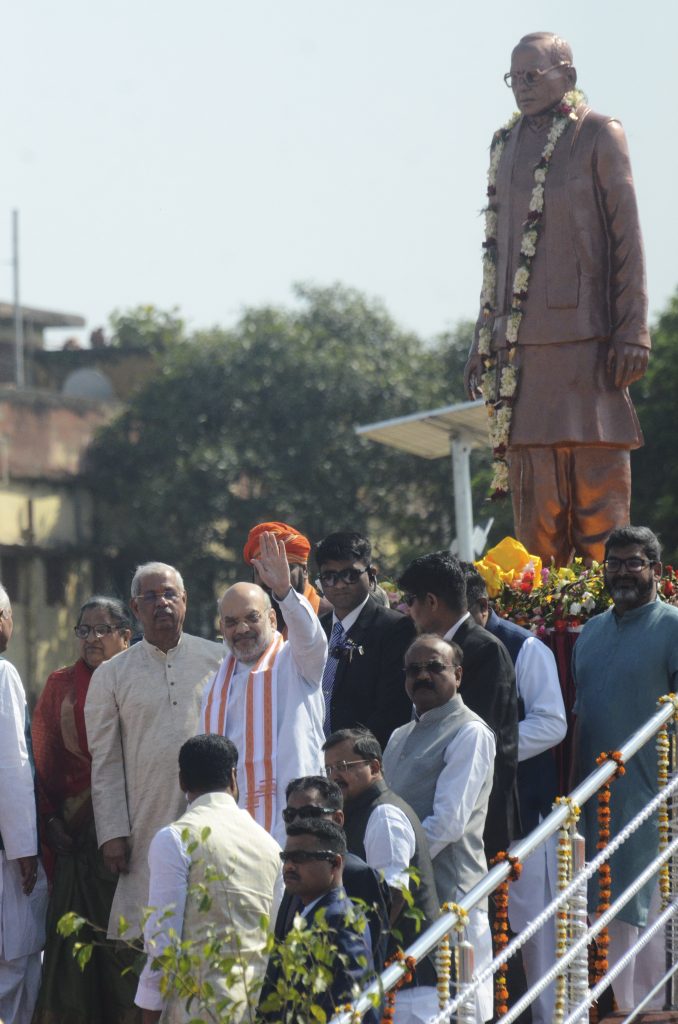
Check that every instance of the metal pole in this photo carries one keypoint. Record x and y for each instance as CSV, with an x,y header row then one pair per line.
x,y
464,956
463,504
20,377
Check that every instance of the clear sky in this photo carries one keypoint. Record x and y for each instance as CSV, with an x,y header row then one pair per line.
x,y
209,154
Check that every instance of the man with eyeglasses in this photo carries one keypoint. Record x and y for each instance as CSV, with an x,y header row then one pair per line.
x,y
623,661
564,304
363,677
313,861
316,797
141,706
442,765
385,831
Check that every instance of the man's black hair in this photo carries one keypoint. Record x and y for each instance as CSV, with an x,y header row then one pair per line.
x,y
343,547
365,743
329,835
206,763
641,535
438,573
329,791
476,588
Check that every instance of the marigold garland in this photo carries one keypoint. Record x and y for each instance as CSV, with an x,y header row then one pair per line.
x,y
663,746
405,979
500,394
444,953
564,858
500,928
600,964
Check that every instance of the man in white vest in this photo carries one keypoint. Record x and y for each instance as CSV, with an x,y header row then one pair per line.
x,y
217,845
442,765
266,695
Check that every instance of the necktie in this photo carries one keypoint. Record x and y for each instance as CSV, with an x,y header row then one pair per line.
x,y
329,673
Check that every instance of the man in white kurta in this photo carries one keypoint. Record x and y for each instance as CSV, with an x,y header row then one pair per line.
x,y
141,706
266,697
23,886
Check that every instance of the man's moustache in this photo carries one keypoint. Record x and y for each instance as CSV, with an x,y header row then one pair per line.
x,y
422,684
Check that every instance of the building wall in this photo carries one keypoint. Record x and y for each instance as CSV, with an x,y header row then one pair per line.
x,y
48,551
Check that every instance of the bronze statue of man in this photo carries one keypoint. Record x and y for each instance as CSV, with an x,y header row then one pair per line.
x,y
563,326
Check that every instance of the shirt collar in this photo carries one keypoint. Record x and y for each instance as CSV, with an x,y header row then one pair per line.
x,y
350,619
453,629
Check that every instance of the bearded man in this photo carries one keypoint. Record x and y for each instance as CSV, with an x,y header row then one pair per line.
x,y
562,330
266,696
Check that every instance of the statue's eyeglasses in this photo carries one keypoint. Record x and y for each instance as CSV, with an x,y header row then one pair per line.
x,y
531,78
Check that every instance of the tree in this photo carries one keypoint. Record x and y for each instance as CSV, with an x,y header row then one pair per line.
x,y
258,423
655,467
146,327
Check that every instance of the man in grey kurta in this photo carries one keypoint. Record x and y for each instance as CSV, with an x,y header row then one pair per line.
x,y
142,705
624,660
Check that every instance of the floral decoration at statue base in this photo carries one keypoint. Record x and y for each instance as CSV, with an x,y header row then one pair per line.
x,y
542,598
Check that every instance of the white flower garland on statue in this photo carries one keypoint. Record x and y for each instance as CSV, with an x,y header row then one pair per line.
x,y
500,405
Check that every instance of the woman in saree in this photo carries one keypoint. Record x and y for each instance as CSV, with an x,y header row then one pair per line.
x,y
81,883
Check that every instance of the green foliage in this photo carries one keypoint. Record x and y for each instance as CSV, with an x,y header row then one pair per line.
x,y
655,467
259,423
211,976
146,327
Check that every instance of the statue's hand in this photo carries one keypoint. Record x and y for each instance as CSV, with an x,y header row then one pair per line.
x,y
626,363
473,372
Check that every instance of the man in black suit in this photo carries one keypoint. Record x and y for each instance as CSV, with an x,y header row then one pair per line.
x,y
314,797
435,590
313,862
363,682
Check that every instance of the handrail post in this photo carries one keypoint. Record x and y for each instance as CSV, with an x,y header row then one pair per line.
x,y
465,964
578,971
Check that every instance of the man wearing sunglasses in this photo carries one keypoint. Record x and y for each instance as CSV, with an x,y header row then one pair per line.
x,y
385,831
363,677
315,797
435,590
579,283
624,660
313,861
442,765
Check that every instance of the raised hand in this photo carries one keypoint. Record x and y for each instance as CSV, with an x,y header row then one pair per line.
x,y
272,565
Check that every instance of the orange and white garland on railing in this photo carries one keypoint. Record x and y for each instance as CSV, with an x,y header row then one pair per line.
x,y
663,763
564,858
444,953
500,928
499,396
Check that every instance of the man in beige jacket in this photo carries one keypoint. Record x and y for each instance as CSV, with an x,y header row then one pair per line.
x,y
218,845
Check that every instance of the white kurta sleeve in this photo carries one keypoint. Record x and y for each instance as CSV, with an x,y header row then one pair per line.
x,y
538,685
18,826
102,721
390,844
469,759
306,637
169,865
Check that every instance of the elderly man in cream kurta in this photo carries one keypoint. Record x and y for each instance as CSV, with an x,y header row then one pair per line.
x,y
141,706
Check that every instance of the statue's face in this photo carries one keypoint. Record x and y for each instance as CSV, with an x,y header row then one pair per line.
x,y
535,95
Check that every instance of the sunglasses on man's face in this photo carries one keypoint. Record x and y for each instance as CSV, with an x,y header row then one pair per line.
x,y
306,856
307,811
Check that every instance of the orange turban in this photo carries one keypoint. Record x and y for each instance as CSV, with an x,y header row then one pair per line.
x,y
297,546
